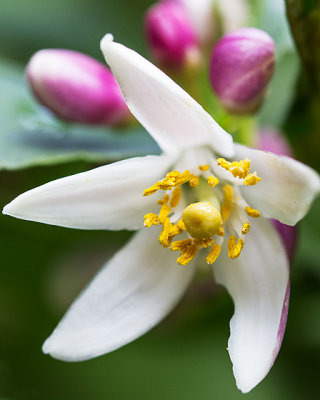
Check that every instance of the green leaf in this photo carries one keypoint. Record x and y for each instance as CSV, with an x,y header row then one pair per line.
x,y
30,136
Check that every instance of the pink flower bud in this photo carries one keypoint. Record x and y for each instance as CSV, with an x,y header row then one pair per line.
x,y
271,140
76,87
241,66
170,35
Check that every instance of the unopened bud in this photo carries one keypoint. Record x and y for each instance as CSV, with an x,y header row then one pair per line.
x,y
76,87
170,35
271,140
241,66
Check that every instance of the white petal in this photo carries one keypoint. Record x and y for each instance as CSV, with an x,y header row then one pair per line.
x,y
287,188
108,197
257,282
174,119
201,15
130,295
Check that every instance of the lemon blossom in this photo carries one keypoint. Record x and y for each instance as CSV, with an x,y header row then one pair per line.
x,y
204,194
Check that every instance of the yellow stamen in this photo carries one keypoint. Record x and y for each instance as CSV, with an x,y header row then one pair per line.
x,y
172,179
213,181
176,196
151,219
204,167
188,249
184,177
252,179
234,248
176,229
246,228
188,254
180,244
214,253
194,181
252,212
227,202
181,225
164,200
164,237
164,212
238,169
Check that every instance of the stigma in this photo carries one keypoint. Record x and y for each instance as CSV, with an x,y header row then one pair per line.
x,y
202,220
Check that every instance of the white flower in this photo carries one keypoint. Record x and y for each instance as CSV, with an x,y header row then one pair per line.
x,y
143,282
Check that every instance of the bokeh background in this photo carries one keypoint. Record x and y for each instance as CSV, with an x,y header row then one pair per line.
x,y
44,267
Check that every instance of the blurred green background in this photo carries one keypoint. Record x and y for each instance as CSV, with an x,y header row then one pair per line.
x,y
44,267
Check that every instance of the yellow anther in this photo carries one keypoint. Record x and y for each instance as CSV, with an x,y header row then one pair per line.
x,y
220,231
188,255
172,180
175,197
176,229
164,200
202,220
204,167
238,169
184,177
214,253
164,237
252,179
188,249
164,212
252,212
245,228
181,225
227,202
151,219
150,190
224,163
234,248
213,181
194,181
180,244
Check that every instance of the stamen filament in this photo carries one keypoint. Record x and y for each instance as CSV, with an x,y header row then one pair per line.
x,y
227,202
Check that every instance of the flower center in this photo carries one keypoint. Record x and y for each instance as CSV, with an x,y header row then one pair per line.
x,y
205,220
